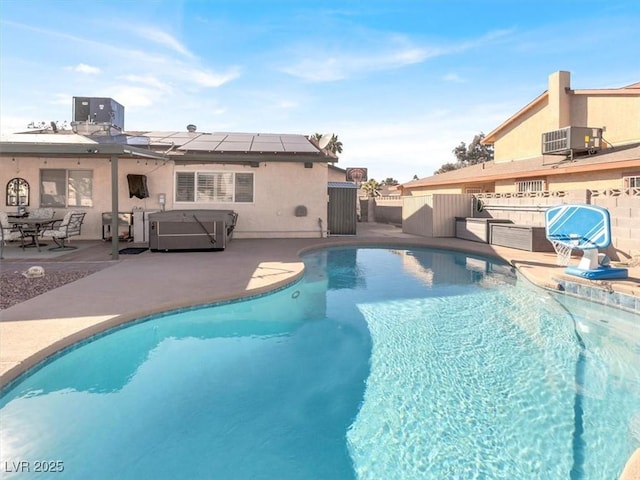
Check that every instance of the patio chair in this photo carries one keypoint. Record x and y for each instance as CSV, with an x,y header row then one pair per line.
x,y
32,230
8,232
60,231
41,212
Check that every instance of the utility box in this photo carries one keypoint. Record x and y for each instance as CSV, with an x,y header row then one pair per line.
x,y
570,140
98,110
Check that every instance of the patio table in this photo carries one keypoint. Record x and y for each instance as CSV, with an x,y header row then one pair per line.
x,y
32,227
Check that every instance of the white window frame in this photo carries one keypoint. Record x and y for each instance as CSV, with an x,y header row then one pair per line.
x,y
207,187
631,181
73,180
535,185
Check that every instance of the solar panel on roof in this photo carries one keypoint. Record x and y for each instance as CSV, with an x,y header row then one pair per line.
x,y
267,139
204,143
259,146
239,137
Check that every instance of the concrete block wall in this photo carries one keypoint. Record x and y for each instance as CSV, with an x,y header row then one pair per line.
x,y
528,209
624,208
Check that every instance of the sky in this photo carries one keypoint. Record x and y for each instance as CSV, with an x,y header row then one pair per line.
x,y
401,82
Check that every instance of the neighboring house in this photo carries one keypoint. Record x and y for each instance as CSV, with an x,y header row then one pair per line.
x,y
263,177
605,155
336,174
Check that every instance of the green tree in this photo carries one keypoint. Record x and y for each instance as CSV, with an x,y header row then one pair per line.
x,y
472,154
390,181
371,188
334,144
475,153
447,167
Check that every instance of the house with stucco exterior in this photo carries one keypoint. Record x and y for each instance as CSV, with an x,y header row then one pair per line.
x,y
564,139
276,183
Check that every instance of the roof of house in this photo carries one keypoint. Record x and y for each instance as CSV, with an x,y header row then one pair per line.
x,y
336,168
342,185
67,145
180,146
221,142
544,165
490,138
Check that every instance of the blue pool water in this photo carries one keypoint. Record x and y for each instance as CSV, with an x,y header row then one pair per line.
x,y
379,364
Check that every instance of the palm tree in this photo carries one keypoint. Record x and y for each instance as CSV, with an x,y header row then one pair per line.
x,y
334,145
371,188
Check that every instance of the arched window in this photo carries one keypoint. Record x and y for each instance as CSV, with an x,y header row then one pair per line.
x,y
17,193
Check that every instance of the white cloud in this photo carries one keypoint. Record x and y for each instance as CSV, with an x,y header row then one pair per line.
x,y
149,81
162,38
453,77
84,68
376,53
133,97
206,78
331,67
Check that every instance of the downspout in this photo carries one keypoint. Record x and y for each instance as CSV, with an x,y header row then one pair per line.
x,y
114,208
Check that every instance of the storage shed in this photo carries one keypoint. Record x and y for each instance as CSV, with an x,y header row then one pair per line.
x,y
341,213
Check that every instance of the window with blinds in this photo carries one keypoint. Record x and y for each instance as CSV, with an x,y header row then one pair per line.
x,y
214,187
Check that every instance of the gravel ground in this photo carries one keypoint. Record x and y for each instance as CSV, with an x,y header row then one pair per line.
x,y
16,288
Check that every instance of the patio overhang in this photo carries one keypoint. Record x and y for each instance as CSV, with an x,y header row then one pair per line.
x,y
77,149
113,151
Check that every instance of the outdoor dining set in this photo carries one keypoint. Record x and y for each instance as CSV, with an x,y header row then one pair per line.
x,y
40,223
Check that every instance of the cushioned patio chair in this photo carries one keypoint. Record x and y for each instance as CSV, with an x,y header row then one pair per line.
x,y
41,212
8,232
61,231
32,231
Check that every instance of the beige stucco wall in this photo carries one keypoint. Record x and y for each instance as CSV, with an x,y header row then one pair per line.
x,y
618,114
419,191
335,175
576,181
524,139
278,189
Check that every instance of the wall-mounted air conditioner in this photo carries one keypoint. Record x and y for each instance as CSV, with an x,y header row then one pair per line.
x,y
570,140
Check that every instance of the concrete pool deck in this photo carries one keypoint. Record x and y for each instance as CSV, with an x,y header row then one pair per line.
x,y
136,286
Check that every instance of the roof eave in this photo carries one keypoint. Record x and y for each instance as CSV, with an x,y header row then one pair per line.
x,y
75,149
229,157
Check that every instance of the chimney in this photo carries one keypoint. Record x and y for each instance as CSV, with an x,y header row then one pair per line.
x,y
560,99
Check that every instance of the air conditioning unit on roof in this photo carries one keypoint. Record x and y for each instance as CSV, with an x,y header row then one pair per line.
x,y
570,140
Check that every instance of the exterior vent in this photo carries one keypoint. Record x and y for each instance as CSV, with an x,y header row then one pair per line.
x,y
570,140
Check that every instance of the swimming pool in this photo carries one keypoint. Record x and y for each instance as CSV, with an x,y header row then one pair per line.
x,y
380,363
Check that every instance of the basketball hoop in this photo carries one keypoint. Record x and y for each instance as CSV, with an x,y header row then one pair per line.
x,y
564,252
357,175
